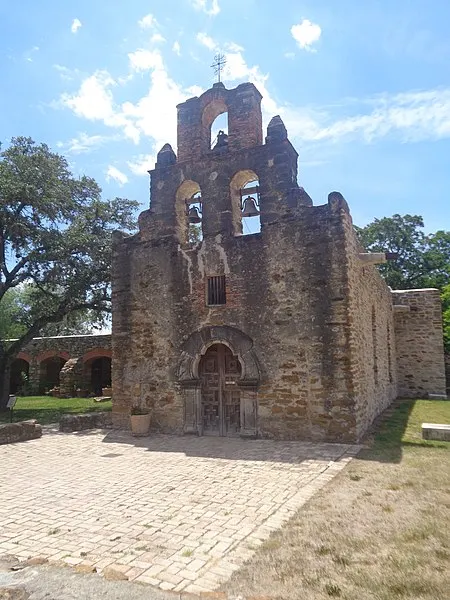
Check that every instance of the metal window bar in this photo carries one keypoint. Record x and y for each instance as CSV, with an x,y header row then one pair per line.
x,y
216,290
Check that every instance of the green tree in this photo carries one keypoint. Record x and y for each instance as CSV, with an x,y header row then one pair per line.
x,y
11,315
423,260
445,295
55,235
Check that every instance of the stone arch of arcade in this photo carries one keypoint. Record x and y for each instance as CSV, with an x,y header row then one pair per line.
x,y
50,364
97,370
20,374
80,363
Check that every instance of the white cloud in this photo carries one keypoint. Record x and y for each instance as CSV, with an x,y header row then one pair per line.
x,y
147,22
421,115
206,40
210,8
66,73
410,116
154,115
94,100
157,38
195,90
306,34
236,69
116,175
233,47
142,164
76,24
83,143
143,60
177,48
28,55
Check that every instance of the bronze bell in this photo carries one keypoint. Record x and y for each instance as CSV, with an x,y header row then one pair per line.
x,y
193,216
249,209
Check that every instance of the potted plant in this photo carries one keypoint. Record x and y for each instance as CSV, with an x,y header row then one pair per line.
x,y
140,420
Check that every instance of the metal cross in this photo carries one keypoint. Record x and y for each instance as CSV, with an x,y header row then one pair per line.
x,y
219,63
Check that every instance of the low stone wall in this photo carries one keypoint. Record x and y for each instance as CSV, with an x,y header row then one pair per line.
x,y
20,432
94,420
436,431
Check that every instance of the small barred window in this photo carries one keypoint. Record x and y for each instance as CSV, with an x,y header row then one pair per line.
x,y
216,290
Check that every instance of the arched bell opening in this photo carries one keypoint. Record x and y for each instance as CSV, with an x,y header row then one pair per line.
x,y
245,202
219,133
215,120
19,377
189,212
49,371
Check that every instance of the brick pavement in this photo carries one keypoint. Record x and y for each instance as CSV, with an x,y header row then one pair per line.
x,y
180,513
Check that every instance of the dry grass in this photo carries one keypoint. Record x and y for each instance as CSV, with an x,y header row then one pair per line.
x,y
379,531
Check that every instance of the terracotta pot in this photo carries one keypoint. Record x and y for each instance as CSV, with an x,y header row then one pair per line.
x,y
140,424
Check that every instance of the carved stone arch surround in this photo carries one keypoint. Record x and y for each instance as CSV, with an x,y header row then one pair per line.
x,y
239,343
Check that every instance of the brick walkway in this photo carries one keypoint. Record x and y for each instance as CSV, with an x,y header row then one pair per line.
x,y
181,513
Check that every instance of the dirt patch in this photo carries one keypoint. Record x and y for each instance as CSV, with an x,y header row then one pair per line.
x,y
379,530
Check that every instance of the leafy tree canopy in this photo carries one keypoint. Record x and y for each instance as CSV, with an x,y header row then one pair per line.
x,y
11,316
55,236
16,315
423,260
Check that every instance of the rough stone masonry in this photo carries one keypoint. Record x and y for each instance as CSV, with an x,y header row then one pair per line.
x,y
286,332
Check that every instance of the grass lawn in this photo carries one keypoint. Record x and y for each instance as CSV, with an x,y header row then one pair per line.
x,y
379,531
46,409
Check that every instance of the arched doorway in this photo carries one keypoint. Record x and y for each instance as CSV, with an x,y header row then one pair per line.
x,y
49,373
19,373
219,371
100,374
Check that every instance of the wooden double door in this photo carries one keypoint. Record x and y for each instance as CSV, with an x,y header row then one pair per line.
x,y
220,410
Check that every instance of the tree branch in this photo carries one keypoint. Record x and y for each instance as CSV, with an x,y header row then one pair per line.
x,y
64,309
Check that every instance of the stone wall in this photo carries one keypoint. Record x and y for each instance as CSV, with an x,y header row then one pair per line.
x,y
419,342
81,350
372,353
20,432
289,291
92,420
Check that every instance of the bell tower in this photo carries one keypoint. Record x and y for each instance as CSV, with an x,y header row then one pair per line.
x,y
231,183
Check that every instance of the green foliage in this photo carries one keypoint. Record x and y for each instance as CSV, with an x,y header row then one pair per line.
x,y
445,295
423,260
195,233
11,313
55,238
16,306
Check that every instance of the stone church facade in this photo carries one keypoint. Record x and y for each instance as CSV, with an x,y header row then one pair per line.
x,y
288,332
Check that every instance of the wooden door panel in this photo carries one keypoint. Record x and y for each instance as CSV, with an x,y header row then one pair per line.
x,y
220,404
232,412
211,412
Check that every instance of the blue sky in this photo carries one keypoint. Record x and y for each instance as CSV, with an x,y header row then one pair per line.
x,y
363,88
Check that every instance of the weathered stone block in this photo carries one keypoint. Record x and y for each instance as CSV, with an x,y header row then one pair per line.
x,y
434,431
20,432
94,420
